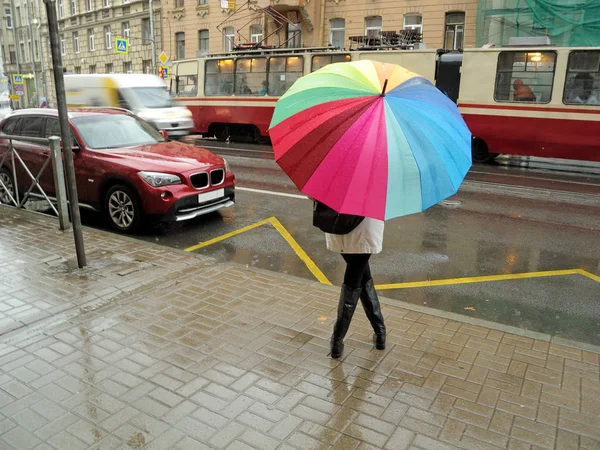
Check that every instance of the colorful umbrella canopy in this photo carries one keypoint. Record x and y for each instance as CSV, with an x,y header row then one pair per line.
x,y
371,139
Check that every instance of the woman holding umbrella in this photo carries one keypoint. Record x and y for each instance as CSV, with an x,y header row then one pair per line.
x,y
368,140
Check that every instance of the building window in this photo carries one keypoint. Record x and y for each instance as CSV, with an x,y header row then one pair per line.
x,y
203,41
229,39
61,9
582,86
251,76
22,49
294,35
337,35
127,67
455,30
203,2
108,37
63,46
106,3
108,68
125,30
283,72
178,3
180,45
147,66
413,22
28,54
256,33
73,7
89,5
146,35
37,49
93,69
8,16
91,40
126,1
373,26
78,70
76,42
12,54
524,77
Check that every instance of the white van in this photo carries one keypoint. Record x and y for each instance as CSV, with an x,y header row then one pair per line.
x,y
147,96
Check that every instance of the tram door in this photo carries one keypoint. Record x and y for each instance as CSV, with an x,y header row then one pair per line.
x,y
448,74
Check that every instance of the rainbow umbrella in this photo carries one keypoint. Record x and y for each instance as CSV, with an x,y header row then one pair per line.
x,y
371,139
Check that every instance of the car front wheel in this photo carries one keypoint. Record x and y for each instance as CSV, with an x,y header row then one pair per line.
x,y
122,208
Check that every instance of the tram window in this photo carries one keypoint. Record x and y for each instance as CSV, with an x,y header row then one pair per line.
x,y
582,86
283,72
187,85
251,76
525,77
320,61
219,77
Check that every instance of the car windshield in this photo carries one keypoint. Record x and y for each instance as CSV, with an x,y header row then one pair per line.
x,y
105,131
151,97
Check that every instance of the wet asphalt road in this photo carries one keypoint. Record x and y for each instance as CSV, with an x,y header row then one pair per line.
x,y
504,220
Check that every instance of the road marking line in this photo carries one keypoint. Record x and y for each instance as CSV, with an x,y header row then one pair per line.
x,y
226,236
482,279
589,275
279,194
319,275
310,265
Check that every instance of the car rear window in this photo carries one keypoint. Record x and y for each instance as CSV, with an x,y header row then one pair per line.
x,y
12,126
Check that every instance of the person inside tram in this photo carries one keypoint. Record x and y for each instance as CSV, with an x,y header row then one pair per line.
x,y
583,86
523,93
263,89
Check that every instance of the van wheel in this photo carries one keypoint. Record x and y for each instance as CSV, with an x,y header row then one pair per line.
x,y
258,138
9,187
220,131
480,152
122,208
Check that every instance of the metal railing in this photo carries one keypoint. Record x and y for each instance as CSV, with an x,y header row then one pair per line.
x,y
11,159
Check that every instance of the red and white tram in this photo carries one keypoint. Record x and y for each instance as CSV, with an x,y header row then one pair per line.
x,y
542,101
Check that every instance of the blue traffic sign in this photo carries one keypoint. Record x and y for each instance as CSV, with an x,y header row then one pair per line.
x,y
122,46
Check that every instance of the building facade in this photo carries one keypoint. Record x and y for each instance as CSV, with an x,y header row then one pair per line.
x,y
88,31
190,26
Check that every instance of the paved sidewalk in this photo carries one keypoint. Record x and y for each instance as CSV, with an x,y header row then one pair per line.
x,y
156,349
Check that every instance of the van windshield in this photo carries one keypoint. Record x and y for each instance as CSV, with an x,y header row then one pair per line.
x,y
151,97
106,131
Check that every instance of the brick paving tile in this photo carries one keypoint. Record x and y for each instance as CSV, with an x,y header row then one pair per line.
x,y
177,352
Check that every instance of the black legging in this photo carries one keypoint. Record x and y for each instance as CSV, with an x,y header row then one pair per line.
x,y
358,271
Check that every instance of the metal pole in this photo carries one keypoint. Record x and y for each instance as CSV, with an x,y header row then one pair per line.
x,y
14,28
42,72
59,183
65,130
152,36
31,54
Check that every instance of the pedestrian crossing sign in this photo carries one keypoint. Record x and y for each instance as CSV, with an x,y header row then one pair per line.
x,y
122,46
17,78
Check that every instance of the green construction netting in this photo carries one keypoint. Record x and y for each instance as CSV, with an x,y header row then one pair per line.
x,y
568,23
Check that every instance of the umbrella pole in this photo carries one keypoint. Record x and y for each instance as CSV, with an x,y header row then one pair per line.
x,y
384,88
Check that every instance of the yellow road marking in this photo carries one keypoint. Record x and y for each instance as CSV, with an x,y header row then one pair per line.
x,y
310,265
591,276
320,276
483,279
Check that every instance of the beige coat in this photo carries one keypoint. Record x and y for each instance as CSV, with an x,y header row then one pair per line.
x,y
366,238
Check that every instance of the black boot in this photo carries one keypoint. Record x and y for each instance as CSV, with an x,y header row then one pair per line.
x,y
370,302
347,305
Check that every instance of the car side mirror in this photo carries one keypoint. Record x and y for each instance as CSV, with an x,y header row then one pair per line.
x,y
74,146
164,134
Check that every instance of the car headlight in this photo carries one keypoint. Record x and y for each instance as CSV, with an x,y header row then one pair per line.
x,y
227,169
158,179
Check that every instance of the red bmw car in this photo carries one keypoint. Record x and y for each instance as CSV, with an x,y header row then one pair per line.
x,y
124,167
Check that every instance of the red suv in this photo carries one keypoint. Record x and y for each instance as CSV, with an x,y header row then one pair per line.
x,y
124,167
